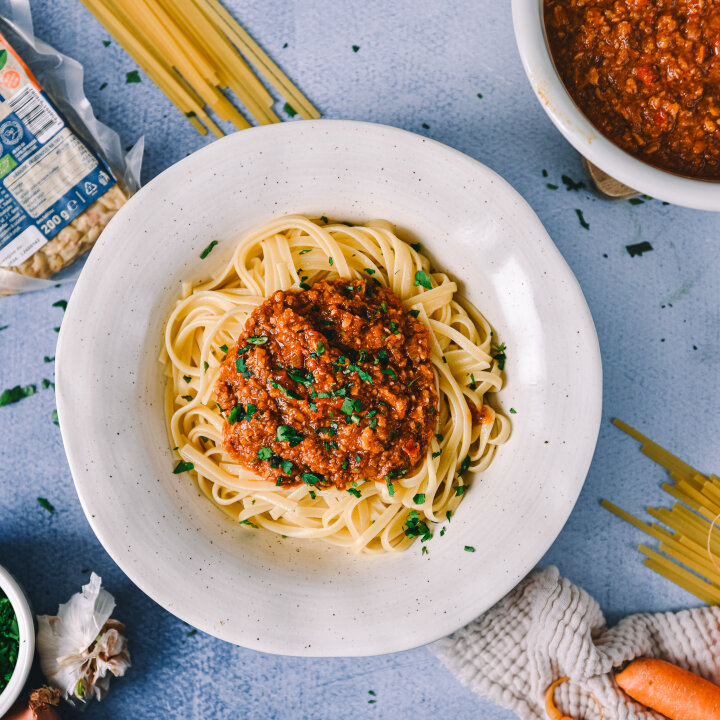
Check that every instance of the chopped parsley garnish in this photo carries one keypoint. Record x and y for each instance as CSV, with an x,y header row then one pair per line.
x,y
187,378
415,527
310,478
46,358
425,551
243,350
264,453
330,261
419,499
442,532
61,304
312,494
499,355
383,307
288,393
224,348
469,548
286,433
320,348
304,251
355,492
373,423
448,514
464,465
48,384
182,467
324,219
439,437
416,246
390,372
236,414
460,489
242,522
16,394
369,271
583,222
513,411
394,328
436,454
422,278
208,249
415,313
45,503
286,466
55,417
351,405
205,365
241,367
299,377
364,376
390,488
188,398
289,110
258,339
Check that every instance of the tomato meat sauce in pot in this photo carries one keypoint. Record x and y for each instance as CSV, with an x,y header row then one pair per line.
x,y
647,74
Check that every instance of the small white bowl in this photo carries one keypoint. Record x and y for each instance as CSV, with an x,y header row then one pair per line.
x,y
583,135
26,651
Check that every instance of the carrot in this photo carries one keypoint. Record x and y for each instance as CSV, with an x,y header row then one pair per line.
x,y
676,693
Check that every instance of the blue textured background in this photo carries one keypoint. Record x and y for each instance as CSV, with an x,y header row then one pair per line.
x,y
420,63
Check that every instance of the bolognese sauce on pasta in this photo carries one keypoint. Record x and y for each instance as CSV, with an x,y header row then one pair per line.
x,y
325,384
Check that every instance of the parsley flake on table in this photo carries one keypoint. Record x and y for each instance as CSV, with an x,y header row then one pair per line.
x,y
132,77
571,185
638,248
289,110
4,327
103,86
355,48
61,304
16,394
469,548
49,359
513,411
48,384
45,503
583,223
208,249
422,278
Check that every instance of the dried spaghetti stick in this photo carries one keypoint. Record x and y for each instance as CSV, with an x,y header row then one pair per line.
x,y
668,689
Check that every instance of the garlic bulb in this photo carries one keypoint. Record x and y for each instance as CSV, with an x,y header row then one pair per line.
x,y
80,646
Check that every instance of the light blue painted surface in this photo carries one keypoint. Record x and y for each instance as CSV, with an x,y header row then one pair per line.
x,y
420,61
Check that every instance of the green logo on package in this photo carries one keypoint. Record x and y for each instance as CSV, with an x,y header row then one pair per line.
x,y
7,163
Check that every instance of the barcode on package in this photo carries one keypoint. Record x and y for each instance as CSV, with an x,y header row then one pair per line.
x,y
36,113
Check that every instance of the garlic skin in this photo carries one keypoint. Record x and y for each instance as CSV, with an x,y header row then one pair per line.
x,y
80,646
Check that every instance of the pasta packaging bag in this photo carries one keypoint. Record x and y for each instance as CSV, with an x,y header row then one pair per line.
x,y
63,174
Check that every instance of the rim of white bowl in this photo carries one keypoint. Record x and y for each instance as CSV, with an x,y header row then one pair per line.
x,y
26,630
583,135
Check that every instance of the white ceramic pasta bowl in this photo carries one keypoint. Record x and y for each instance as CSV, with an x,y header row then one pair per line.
x,y
26,632
583,135
304,597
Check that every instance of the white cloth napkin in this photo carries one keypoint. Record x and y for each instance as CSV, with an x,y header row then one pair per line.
x,y
547,628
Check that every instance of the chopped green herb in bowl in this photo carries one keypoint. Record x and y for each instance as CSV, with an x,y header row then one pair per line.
x,y
17,640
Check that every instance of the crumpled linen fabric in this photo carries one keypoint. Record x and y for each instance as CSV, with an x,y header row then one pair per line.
x,y
547,628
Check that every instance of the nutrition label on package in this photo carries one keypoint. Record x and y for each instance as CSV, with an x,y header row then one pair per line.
x,y
48,175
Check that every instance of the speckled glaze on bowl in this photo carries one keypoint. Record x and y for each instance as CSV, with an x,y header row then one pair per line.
x,y
26,632
299,597
583,135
